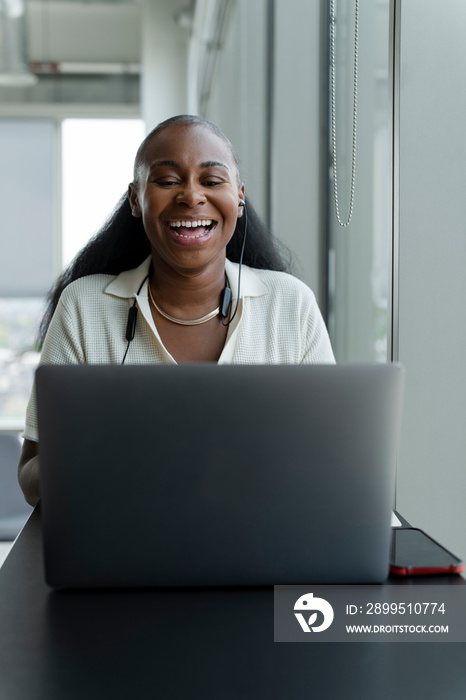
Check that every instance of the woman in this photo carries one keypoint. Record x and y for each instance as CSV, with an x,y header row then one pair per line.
x,y
173,252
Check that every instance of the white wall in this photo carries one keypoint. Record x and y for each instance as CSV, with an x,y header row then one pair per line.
x,y
432,284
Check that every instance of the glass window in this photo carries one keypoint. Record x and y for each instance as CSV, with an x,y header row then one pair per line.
x,y
97,165
359,254
28,197
19,320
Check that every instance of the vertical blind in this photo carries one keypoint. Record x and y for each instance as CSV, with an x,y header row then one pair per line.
x,y
27,192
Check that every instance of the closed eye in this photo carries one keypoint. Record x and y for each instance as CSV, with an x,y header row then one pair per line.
x,y
166,183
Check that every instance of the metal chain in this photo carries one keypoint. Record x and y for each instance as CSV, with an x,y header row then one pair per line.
x,y
355,110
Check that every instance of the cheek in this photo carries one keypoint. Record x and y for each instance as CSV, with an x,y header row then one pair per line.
x,y
151,209
230,208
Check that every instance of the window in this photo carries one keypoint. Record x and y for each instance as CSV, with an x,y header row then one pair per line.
x,y
36,185
97,165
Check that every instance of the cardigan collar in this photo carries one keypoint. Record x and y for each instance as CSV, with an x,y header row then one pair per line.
x,y
127,283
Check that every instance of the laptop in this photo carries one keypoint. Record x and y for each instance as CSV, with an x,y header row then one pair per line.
x,y
217,475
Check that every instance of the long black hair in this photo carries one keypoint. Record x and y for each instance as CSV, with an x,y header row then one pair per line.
x,y
121,243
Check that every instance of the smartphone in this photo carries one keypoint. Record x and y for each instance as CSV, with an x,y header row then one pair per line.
x,y
413,552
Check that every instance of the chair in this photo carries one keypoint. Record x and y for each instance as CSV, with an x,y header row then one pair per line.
x,y
14,511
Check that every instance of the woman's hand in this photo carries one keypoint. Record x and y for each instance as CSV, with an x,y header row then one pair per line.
x,y
28,471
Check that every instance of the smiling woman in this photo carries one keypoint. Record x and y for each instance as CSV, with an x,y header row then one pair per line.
x,y
176,275
187,173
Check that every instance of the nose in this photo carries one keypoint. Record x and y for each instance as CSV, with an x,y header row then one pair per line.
x,y
191,194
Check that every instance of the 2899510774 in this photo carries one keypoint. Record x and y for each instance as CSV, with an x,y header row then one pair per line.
x,y
397,609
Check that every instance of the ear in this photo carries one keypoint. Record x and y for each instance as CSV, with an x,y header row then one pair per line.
x,y
134,200
241,199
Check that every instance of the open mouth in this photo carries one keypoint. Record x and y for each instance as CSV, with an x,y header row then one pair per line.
x,y
191,229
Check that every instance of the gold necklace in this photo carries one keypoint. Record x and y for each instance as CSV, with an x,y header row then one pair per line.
x,y
193,322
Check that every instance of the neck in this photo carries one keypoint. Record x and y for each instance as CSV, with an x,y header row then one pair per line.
x,y
188,293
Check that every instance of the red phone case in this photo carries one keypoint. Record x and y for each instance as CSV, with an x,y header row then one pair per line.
x,y
414,571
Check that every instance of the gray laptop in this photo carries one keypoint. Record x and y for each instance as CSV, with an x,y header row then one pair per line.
x,y
207,475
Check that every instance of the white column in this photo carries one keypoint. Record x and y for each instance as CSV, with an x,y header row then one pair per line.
x,y
296,203
164,62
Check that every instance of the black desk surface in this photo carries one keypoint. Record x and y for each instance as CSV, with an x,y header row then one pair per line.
x,y
190,644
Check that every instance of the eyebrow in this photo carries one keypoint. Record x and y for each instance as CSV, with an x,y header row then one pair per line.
x,y
213,163
175,164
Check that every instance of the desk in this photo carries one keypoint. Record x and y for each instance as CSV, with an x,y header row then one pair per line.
x,y
188,645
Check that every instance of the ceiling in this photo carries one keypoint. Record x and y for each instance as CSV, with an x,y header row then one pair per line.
x,y
86,51
89,32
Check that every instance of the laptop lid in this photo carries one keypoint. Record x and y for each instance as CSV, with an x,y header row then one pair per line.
x,y
156,475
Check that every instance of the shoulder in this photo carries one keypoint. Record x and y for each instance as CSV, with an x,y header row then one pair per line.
x,y
84,297
281,321
120,287
280,297
282,289
89,285
124,285
82,304
282,281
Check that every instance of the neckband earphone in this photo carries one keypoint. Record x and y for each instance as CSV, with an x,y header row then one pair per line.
x,y
242,204
224,304
133,317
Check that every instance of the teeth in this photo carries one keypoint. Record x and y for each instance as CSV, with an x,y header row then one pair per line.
x,y
191,224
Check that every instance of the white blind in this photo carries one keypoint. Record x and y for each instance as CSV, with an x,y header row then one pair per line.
x,y
27,166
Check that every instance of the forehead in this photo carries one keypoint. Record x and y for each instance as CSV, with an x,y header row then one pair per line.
x,y
193,143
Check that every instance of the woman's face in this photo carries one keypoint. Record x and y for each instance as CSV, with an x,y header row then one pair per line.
x,y
188,196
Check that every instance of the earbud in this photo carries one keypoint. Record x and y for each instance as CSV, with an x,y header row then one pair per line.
x,y
242,203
